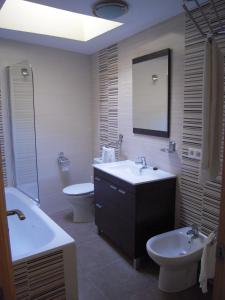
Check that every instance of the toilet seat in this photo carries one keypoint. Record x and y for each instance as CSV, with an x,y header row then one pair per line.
x,y
79,189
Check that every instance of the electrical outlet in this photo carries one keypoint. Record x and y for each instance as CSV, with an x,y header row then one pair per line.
x,y
191,153
198,153
194,153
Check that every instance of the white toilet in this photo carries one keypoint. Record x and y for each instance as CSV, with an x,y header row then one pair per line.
x,y
178,256
81,198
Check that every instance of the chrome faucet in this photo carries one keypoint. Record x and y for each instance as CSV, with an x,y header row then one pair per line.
x,y
17,212
142,161
194,231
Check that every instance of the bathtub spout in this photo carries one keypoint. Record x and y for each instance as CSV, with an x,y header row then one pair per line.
x,y
17,212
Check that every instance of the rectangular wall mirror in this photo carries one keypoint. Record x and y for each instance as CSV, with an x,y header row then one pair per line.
x,y
151,93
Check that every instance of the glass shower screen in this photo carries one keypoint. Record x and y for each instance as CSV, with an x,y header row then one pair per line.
x,y
23,136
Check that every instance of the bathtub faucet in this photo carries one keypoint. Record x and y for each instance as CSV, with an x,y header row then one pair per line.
x,y
194,231
17,212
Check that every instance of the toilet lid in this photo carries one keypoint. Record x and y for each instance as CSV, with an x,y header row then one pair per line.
x,y
79,189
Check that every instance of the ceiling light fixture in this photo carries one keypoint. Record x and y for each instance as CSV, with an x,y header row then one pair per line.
x,y
110,9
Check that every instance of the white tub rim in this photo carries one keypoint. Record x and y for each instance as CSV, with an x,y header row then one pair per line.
x,y
60,237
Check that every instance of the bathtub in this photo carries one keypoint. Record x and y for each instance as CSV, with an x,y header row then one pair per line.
x,y
43,255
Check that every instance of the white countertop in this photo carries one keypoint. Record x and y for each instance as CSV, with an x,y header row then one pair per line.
x,y
130,172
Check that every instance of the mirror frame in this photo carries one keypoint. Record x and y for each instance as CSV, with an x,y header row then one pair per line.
x,y
164,52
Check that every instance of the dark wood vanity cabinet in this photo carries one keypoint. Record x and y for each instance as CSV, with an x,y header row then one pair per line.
x,y
130,214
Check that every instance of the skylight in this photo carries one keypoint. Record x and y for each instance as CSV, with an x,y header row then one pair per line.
x,y
40,19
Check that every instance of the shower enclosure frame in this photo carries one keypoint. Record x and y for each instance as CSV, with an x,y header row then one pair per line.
x,y
37,199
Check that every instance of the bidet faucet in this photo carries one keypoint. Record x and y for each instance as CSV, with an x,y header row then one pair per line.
x,y
194,231
17,212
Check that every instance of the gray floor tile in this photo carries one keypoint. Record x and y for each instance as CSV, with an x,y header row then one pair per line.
x,y
87,291
104,274
120,280
81,232
95,255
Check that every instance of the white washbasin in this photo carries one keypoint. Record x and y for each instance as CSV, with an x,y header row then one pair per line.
x,y
128,171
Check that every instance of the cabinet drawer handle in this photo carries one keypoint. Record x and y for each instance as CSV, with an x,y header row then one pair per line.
x,y
97,178
121,191
113,187
98,205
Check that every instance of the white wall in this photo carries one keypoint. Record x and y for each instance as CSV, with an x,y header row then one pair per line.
x,y
65,107
169,34
62,89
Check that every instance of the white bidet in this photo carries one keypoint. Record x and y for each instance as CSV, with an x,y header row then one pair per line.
x,y
177,254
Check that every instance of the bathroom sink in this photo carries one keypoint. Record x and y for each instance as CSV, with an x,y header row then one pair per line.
x,y
130,172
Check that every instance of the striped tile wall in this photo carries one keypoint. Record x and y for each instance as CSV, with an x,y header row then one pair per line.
x,y
41,278
199,204
2,144
108,95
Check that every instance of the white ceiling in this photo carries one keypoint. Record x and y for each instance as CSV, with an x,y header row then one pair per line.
x,y
141,15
